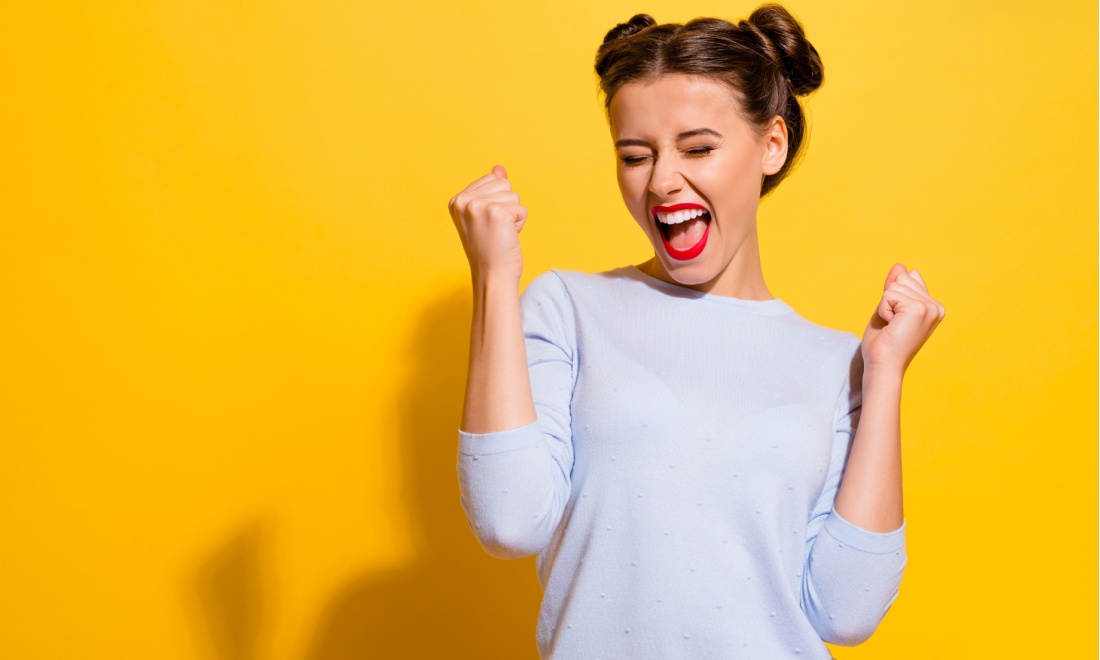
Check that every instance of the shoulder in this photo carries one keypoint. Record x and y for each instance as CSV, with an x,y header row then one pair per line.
x,y
836,354
559,284
548,306
823,338
838,358
549,287
839,352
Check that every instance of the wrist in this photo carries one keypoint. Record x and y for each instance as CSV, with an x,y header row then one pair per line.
x,y
491,284
883,376
494,279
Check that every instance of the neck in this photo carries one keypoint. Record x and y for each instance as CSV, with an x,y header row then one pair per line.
x,y
741,278
744,286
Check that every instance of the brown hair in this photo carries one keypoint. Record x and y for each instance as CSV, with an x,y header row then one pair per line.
x,y
766,61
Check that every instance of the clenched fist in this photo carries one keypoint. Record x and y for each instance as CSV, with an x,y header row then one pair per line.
x,y
904,319
489,217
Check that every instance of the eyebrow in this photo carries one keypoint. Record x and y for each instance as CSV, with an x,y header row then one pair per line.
x,y
680,136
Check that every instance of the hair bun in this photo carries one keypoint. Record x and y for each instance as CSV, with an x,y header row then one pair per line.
x,y
636,24
789,46
608,52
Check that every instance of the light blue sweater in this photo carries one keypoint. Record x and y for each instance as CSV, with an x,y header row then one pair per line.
x,y
678,484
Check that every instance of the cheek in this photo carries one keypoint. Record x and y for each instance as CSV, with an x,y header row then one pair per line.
x,y
737,179
632,187
621,179
628,180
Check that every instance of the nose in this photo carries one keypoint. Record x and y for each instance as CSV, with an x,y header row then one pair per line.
x,y
665,178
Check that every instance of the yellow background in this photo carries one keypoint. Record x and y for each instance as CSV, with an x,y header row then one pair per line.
x,y
234,311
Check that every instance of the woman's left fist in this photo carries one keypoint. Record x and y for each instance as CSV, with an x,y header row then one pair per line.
x,y
902,322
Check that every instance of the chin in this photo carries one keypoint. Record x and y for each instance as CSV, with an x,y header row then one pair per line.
x,y
695,273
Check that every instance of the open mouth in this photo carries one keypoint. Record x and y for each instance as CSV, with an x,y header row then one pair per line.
x,y
684,229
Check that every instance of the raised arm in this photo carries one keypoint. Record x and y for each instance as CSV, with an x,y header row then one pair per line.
x,y
856,544
515,452
489,217
870,495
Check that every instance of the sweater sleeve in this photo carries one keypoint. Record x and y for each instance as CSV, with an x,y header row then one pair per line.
x,y
851,575
514,484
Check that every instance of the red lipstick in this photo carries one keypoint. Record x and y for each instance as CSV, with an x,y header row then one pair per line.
x,y
676,207
693,251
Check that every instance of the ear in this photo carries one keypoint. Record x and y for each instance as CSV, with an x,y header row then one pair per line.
x,y
775,146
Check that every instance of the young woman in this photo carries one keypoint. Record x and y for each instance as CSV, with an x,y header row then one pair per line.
x,y
701,472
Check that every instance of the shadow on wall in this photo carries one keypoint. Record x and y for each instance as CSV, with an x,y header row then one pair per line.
x,y
455,600
230,591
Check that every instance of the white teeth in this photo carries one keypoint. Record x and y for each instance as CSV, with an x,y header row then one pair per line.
x,y
679,216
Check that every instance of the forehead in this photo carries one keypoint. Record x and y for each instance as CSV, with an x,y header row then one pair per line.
x,y
671,104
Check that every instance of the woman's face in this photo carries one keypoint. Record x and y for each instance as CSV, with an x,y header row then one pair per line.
x,y
690,170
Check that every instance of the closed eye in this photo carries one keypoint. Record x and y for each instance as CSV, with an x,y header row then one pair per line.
x,y
633,161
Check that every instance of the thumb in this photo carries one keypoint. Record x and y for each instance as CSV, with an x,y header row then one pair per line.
x,y
499,172
898,269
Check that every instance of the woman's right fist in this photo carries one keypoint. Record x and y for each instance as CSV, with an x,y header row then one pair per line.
x,y
489,217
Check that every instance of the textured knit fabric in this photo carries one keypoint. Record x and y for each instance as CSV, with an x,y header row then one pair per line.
x,y
678,485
